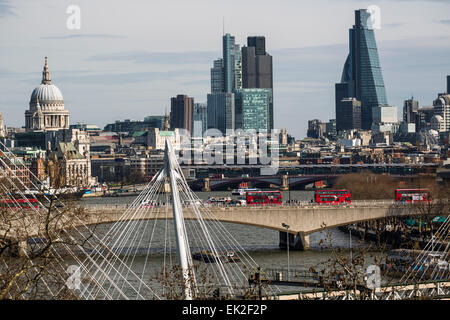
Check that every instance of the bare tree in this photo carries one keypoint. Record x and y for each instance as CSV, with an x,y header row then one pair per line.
x,y
36,234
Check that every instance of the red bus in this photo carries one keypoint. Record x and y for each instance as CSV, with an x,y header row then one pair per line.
x,y
332,196
412,195
19,203
264,198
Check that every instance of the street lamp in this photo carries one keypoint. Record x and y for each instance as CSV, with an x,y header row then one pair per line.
x,y
284,225
289,188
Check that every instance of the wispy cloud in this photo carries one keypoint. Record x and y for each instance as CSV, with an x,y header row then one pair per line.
x,y
80,36
439,1
131,77
201,57
393,25
445,21
6,9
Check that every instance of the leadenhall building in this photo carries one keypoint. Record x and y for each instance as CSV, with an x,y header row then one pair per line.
x,y
46,112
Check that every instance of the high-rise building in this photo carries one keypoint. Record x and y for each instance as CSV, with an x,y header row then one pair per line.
x,y
253,108
316,129
410,111
362,69
217,77
237,56
259,43
200,119
442,112
155,121
257,69
384,114
341,92
221,111
226,77
424,118
330,129
181,111
448,84
232,71
3,130
348,114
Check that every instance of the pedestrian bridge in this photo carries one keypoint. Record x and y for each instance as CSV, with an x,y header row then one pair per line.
x,y
302,219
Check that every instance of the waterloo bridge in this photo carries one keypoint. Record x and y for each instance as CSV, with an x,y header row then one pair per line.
x,y
303,219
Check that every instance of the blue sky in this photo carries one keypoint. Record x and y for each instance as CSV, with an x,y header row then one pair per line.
x,y
130,57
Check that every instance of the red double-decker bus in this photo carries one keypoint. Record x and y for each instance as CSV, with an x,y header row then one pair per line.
x,y
412,195
264,198
19,203
332,196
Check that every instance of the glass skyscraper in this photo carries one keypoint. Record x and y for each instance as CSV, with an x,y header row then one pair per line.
x,y
217,76
252,109
362,76
220,111
232,70
200,119
257,68
226,77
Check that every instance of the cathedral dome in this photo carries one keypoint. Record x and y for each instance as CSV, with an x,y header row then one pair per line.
x,y
46,111
46,93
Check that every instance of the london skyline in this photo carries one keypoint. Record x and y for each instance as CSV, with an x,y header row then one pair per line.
x,y
107,74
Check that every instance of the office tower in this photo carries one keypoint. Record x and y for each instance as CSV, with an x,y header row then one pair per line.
x,y
200,119
442,112
448,84
237,56
155,121
248,67
3,129
330,129
252,109
232,72
424,118
181,110
316,129
259,43
341,92
221,111
226,77
348,115
410,111
384,114
256,65
257,69
362,69
217,77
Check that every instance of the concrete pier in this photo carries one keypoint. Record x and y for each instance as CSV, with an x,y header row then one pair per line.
x,y
297,241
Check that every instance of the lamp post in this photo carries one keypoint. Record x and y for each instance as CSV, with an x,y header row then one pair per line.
x,y
289,188
287,245
351,254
